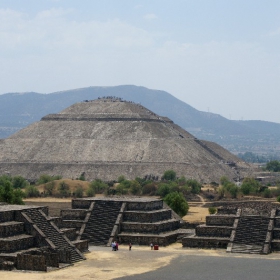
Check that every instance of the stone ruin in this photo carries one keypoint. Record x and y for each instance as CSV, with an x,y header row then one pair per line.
x,y
109,137
32,240
252,228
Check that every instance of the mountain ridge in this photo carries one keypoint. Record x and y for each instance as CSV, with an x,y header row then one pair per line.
x,y
21,109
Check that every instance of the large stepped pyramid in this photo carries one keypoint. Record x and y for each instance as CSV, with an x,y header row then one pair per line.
x,y
107,137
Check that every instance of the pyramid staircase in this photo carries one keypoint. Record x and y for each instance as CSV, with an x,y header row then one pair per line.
x,y
251,235
93,221
51,233
101,222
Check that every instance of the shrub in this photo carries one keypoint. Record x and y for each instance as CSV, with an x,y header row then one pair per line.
x,y
121,178
163,190
149,189
79,192
90,192
278,198
43,179
135,188
177,203
82,177
194,185
212,210
267,193
18,196
99,186
169,175
19,182
64,189
121,189
32,191
49,188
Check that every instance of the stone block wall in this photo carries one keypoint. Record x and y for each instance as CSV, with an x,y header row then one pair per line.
x,y
204,243
227,211
31,262
277,222
220,220
213,231
147,217
147,240
81,203
75,214
16,244
72,224
144,206
150,227
6,216
9,229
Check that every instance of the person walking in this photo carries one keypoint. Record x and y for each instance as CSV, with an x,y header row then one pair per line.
x,y
130,245
152,246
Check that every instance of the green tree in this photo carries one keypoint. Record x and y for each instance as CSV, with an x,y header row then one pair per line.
x,y
121,189
8,194
49,188
163,190
169,175
79,192
43,179
64,189
273,165
135,188
18,196
32,191
6,191
177,203
90,192
250,185
194,185
82,177
121,178
99,186
19,182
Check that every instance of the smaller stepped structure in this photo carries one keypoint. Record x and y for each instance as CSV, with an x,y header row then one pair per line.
x,y
126,219
30,240
216,232
239,231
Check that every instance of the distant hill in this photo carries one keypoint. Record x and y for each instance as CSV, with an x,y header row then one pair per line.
x,y
18,110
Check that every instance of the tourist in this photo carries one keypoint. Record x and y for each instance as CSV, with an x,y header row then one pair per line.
x,y
113,246
152,246
130,245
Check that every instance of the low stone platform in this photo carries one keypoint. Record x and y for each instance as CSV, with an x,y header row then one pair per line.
x,y
29,240
251,231
135,220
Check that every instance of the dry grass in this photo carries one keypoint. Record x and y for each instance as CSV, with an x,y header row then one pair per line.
x,y
196,214
73,185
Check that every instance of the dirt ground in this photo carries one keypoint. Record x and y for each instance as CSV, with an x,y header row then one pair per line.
x,y
103,263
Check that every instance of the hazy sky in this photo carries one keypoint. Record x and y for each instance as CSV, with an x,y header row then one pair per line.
x,y
216,55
